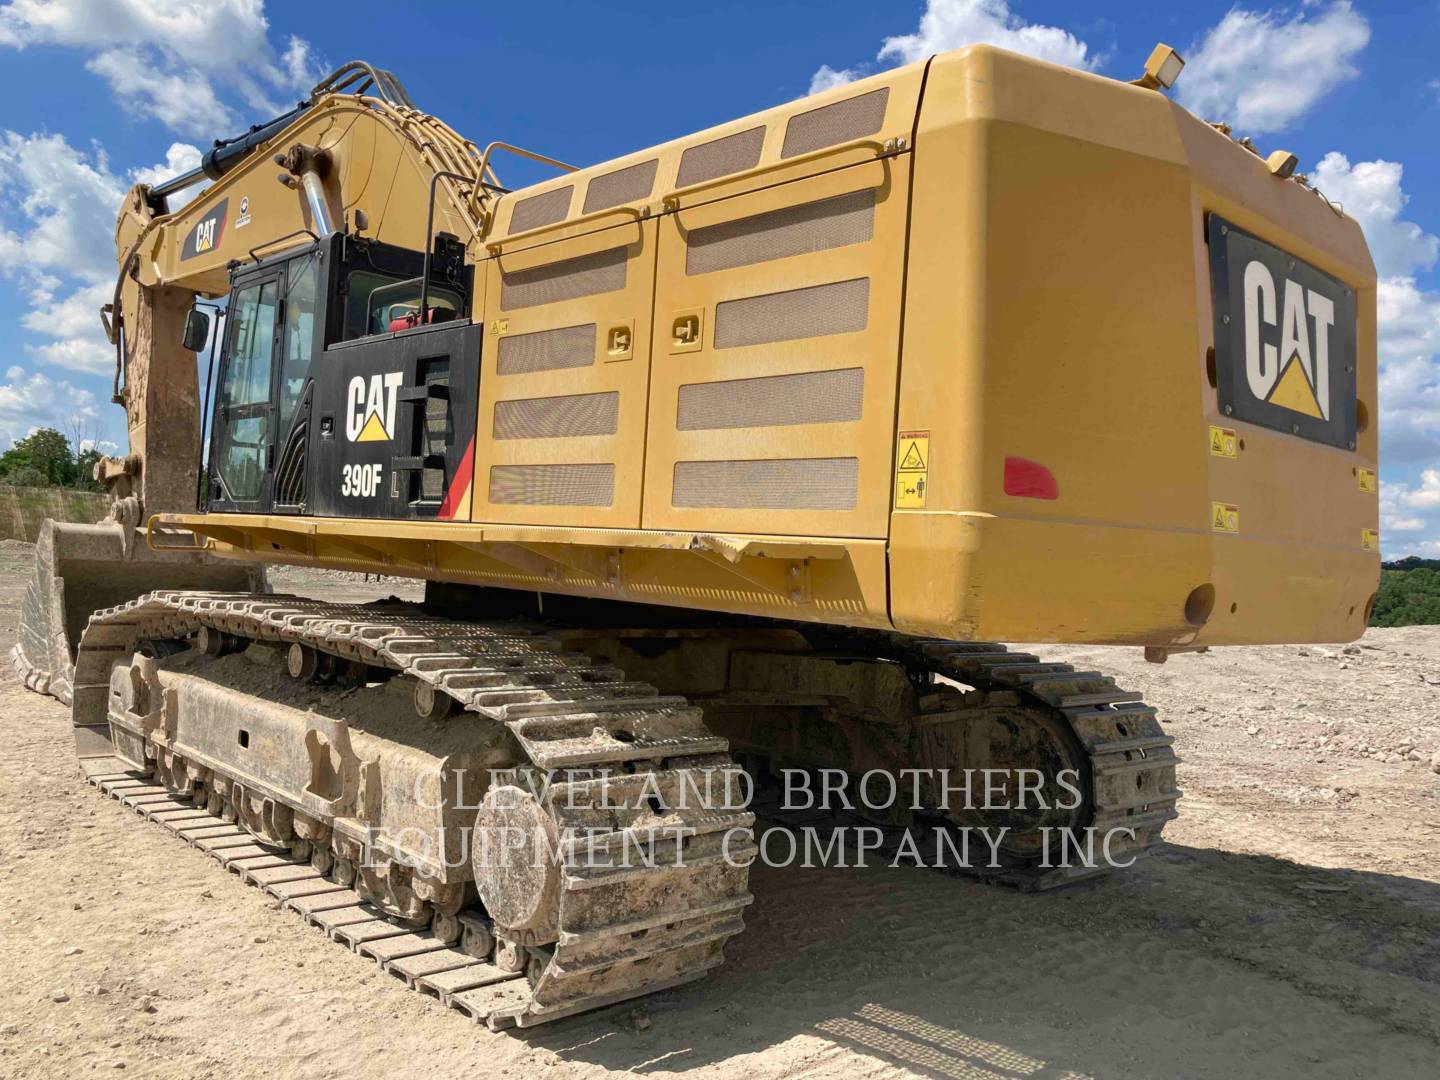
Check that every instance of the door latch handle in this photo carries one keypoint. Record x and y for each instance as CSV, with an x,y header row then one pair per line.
x,y
686,332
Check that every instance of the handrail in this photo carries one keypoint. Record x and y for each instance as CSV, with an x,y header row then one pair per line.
x,y
280,240
202,456
671,201
153,546
391,89
424,311
520,151
893,146
495,246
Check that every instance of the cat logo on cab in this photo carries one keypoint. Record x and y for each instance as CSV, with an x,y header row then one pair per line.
x,y
370,407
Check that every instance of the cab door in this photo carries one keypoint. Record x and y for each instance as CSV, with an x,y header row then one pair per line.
x,y
303,324
242,453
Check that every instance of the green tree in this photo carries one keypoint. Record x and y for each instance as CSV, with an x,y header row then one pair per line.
x,y
1408,597
26,476
47,452
85,470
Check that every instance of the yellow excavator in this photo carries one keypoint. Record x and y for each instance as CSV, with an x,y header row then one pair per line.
x,y
724,462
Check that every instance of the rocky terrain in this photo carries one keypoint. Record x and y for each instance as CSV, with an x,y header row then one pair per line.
x,y
1290,926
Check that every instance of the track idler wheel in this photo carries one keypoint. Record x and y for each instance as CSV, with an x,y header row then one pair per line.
x,y
513,853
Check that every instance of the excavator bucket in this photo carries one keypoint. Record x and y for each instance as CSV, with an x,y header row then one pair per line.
x,y
80,569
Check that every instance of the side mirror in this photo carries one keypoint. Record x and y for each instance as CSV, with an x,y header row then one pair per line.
x,y
197,331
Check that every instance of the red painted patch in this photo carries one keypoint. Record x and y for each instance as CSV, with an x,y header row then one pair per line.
x,y
1029,479
460,485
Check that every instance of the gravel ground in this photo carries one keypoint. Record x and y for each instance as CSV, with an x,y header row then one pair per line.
x,y
1290,926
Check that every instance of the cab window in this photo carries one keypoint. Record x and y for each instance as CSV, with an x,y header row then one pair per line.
x,y
300,303
378,304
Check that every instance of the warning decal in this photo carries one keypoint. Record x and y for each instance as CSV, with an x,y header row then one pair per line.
x,y
912,469
1369,540
1367,481
1222,441
1225,517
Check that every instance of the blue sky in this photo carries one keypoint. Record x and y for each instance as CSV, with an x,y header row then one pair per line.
x,y
99,93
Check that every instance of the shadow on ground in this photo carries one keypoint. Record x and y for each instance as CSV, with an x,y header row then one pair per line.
x,y
1196,962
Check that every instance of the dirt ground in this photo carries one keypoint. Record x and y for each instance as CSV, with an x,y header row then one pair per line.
x,y
1290,926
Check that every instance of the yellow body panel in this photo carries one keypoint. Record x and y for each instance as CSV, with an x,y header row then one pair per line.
x,y
1059,273
605,399
1037,286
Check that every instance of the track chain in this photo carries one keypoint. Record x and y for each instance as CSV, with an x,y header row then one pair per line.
x,y
1131,762
624,930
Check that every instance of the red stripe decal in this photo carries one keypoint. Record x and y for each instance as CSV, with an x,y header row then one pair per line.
x,y
460,485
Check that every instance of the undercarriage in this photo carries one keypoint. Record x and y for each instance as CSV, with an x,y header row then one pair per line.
x,y
530,820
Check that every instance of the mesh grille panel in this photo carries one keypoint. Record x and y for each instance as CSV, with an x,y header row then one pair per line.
x,y
539,210
568,279
777,484
621,186
558,417
818,397
553,485
838,308
547,350
722,157
853,118
778,234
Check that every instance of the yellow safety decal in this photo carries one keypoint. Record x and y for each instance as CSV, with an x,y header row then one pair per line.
x,y
912,469
1225,517
1368,481
499,326
1369,540
1222,441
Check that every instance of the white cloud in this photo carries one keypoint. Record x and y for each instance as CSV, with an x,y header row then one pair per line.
x,y
1427,495
301,66
1370,192
180,99
175,60
179,159
88,353
66,201
1408,316
950,24
1408,319
1263,70
57,224
32,400
827,78
72,316
1413,511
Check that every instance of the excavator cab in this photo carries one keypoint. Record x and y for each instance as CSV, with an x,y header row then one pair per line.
x,y
334,397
